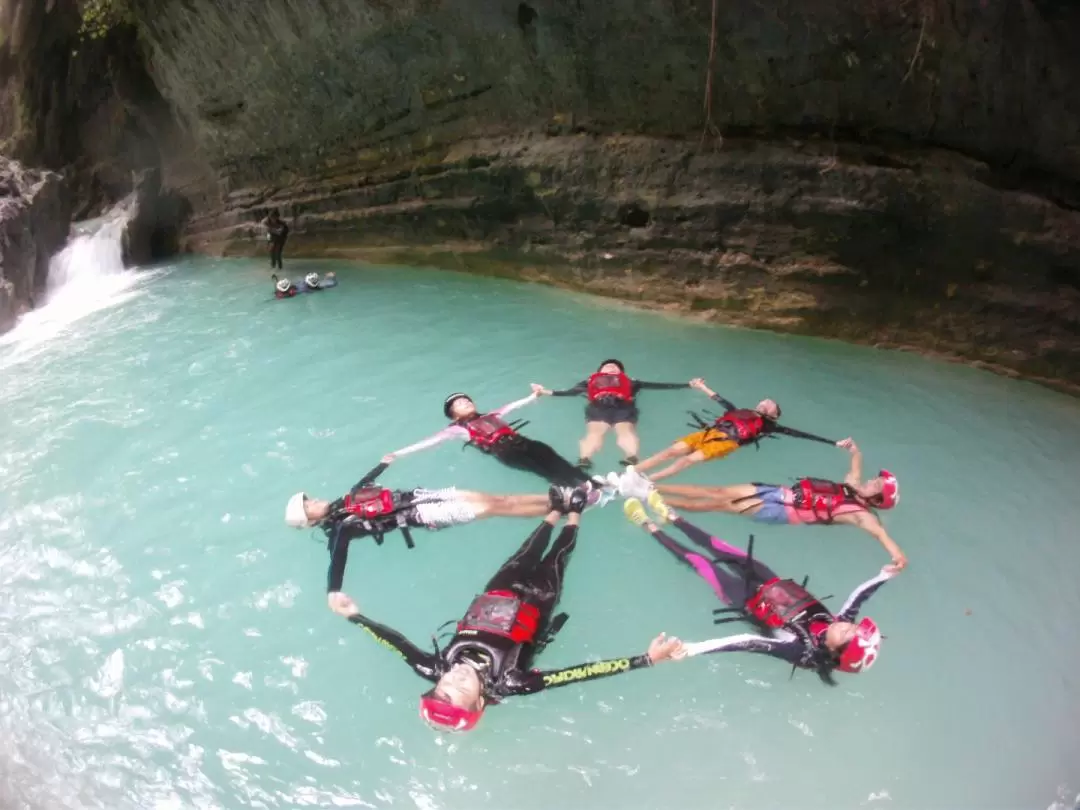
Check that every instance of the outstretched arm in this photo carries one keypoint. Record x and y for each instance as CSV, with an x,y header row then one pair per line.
x,y
661,649
371,475
800,434
850,611
513,406
452,432
872,526
423,664
854,476
790,649
576,390
699,384
641,385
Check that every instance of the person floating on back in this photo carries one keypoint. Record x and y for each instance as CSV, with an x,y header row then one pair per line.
x,y
491,434
277,232
612,404
312,282
794,625
490,655
373,511
283,288
808,501
735,428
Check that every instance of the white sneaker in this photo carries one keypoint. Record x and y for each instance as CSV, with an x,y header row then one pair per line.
x,y
635,485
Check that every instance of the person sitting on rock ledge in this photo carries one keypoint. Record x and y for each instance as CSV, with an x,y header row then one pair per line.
x,y
277,232
283,288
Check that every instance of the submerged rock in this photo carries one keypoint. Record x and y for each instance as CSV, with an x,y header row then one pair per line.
x,y
35,216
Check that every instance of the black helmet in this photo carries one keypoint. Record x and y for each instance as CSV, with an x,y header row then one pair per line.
x,y
616,362
450,401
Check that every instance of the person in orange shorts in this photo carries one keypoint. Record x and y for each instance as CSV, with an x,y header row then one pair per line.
x,y
735,428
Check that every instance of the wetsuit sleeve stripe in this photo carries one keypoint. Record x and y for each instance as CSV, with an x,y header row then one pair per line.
x,y
513,406
641,385
727,404
592,671
800,434
577,390
859,596
423,664
431,441
790,650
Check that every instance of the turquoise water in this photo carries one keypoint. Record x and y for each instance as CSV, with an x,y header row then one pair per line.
x,y
165,637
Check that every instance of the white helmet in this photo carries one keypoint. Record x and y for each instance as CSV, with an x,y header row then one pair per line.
x,y
312,279
295,514
283,285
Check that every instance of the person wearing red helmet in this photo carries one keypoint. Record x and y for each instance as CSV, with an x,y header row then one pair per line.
x,y
612,404
489,656
733,429
492,434
794,625
808,501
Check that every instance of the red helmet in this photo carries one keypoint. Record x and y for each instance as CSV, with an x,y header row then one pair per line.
x,y
443,715
890,490
859,654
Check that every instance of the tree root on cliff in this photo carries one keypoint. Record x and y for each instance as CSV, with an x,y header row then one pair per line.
x,y
918,50
710,128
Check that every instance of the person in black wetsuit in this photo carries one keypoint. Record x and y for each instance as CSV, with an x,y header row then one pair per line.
x,y
372,511
490,654
735,428
800,629
277,232
490,434
611,403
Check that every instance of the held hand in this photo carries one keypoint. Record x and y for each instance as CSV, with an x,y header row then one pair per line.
x,y
848,444
664,648
387,459
698,383
342,604
899,563
539,390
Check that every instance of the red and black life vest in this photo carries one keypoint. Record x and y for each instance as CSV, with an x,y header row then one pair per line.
x,y
371,502
783,603
617,386
823,497
487,430
289,293
742,425
502,613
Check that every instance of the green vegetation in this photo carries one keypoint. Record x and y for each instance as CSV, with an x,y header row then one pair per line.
x,y
99,17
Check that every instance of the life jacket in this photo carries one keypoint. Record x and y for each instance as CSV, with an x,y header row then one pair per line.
x,y
288,294
823,497
371,502
742,425
783,603
380,511
495,629
617,386
487,430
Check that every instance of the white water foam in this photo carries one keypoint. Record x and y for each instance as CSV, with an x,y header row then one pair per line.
x,y
88,275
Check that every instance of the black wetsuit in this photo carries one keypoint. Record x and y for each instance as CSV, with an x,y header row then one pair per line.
x,y
535,579
279,233
530,455
614,410
770,428
341,527
735,578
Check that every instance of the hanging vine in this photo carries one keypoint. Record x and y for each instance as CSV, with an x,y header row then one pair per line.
x,y
710,128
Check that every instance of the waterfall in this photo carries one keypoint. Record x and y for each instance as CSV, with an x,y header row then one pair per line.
x,y
88,275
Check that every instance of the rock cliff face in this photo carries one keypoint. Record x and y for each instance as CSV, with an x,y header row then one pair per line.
x,y
905,172
35,210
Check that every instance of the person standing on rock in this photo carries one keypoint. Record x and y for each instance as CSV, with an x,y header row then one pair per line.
x,y
612,404
276,234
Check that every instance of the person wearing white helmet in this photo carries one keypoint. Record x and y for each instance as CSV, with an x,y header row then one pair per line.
x,y
312,282
283,288
808,501
793,624
372,511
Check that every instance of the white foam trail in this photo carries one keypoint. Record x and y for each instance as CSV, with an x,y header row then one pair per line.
x,y
88,275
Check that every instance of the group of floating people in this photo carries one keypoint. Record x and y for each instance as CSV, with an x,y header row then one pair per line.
x,y
490,653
